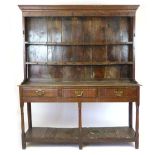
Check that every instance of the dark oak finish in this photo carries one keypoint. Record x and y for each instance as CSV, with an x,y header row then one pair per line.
x,y
70,135
29,114
82,53
130,114
22,126
137,126
80,125
78,10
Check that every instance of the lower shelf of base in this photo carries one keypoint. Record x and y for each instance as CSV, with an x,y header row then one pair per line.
x,y
74,136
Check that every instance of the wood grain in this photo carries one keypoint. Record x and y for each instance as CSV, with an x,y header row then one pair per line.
x,y
92,135
36,29
82,53
54,29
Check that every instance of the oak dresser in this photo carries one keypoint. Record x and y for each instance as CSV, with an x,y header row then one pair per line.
x,y
76,54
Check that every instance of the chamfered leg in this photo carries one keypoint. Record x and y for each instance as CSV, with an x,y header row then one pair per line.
x,y
22,125
29,114
80,125
130,114
137,126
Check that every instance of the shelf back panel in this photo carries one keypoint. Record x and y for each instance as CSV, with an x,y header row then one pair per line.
x,y
71,54
79,73
77,29
74,30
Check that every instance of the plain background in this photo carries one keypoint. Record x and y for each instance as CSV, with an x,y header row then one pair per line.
x,y
59,115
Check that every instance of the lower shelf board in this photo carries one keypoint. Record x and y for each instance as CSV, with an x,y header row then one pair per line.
x,y
88,135
108,134
52,135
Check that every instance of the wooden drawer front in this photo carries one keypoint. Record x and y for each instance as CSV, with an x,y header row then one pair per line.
x,y
79,93
118,92
39,92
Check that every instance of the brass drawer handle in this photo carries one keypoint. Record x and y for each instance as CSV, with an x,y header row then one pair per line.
x,y
78,93
40,92
118,92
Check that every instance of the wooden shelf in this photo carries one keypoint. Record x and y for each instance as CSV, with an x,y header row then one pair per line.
x,y
52,135
121,82
71,135
78,43
79,63
108,134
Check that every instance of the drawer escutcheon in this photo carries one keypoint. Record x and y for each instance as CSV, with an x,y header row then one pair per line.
x,y
118,92
40,92
79,93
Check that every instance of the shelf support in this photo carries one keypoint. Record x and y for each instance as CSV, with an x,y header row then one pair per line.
x,y
29,115
130,114
22,125
80,124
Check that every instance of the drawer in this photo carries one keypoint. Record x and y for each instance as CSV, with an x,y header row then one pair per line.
x,y
40,92
118,92
79,93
